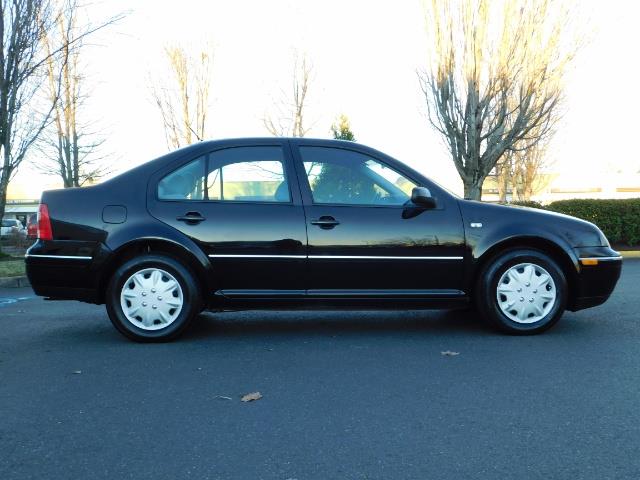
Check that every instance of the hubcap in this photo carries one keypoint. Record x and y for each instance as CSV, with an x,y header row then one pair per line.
x,y
526,293
151,299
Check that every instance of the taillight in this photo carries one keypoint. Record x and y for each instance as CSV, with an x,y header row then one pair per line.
x,y
44,223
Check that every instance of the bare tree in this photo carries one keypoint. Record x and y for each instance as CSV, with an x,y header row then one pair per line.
x,y
528,171
522,169
68,143
288,120
504,176
494,81
183,97
23,60
22,23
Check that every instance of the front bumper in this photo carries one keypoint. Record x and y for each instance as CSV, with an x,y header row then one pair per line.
x,y
64,269
598,273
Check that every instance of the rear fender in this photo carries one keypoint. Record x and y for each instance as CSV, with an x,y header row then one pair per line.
x,y
165,239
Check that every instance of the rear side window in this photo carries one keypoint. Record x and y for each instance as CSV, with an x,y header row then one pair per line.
x,y
185,183
239,174
247,174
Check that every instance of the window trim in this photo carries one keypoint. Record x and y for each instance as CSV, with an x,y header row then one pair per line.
x,y
286,165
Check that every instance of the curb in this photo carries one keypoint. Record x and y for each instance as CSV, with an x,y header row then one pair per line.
x,y
630,254
14,282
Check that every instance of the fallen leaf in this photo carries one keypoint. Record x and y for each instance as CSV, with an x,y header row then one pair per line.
x,y
449,353
250,397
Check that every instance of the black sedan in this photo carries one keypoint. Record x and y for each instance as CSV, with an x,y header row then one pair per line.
x,y
300,223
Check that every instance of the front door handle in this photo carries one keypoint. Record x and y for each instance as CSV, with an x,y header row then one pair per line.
x,y
191,218
325,222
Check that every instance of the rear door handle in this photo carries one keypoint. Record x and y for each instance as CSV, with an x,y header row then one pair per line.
x,y
325,222
191,218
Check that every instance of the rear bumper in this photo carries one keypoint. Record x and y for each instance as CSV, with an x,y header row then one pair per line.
x,y
598,273
67,270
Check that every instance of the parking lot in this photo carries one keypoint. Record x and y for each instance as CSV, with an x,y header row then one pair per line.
x,y
356,395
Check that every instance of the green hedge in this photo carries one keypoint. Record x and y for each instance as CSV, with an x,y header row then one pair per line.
x,y
618,219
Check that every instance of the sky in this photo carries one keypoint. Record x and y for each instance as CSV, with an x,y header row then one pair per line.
x,y
365,55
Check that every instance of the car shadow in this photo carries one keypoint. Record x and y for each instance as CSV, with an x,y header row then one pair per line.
x,y
303,325
293,323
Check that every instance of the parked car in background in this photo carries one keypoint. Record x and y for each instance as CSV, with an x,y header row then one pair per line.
x,y
302,223
32,227
12,227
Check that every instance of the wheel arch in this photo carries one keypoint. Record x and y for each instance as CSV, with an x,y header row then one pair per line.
x,y
175,250
562,256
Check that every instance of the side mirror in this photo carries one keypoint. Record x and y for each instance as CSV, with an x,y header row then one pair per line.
x,y
421,196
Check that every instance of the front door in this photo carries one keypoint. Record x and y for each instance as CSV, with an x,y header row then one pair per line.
x,y
366,238
237,204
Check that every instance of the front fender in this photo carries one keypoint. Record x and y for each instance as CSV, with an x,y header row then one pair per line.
x,y
484,247
482,242
490,229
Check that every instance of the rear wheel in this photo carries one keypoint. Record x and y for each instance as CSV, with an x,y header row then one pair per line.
x,y
522,292
152,298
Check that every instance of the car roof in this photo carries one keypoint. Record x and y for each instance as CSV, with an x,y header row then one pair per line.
x,y
205,146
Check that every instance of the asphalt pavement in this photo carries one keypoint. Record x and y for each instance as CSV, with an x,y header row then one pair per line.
x,y
345,395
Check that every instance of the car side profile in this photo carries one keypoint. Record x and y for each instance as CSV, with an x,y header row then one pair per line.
x,y
301,223
10,227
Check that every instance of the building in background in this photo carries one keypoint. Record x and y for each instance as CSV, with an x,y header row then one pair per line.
x,y
574,184
24,193
21,209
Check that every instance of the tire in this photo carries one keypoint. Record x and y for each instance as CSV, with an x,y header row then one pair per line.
x,y
152,298
522,292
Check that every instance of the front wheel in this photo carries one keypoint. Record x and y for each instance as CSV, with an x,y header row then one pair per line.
x,y
152,298
522,292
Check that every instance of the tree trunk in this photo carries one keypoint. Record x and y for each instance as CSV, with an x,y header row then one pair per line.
x,y
503,180
4,183
3,197
473,190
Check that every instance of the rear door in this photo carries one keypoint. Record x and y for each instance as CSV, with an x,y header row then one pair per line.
x,y
242,206
366,238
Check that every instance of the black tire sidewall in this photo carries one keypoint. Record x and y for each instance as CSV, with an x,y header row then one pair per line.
x,y
487,301
190,294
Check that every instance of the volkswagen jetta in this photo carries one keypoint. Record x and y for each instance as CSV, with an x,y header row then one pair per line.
x,y
301,223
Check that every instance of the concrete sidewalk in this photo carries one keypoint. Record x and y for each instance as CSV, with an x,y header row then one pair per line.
x,y
14,282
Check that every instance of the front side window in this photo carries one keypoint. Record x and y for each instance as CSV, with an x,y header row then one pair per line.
x,y
346,177
239,174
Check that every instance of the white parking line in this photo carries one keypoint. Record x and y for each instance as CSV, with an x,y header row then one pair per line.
x,y
9,301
